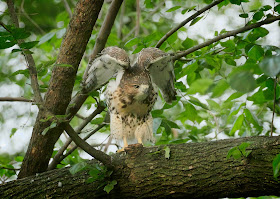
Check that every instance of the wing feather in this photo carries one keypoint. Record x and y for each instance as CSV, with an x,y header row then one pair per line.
x,y
111,61
160,67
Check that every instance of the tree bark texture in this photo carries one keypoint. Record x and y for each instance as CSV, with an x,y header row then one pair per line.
x,y
61,85
194,170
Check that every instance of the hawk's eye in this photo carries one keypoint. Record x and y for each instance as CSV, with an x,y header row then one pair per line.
x,y
136,86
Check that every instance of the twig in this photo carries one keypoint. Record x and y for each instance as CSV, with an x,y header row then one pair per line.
x,y
138,12
59,155
120,35
108,144
98,155
173,30
15,99
147,18
274,102
30,19
12,169
67,8
28,58
105,30
228,34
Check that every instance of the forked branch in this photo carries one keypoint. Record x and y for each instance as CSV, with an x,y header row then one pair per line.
x,y
173,30
228,34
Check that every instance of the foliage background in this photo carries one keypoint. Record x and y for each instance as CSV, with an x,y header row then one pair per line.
x,y
224,90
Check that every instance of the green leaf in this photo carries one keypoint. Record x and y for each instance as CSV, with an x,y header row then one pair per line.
x,y
97,121
45,130
235,153
190,112
277,8
200,86
167,152
64,65
258,15
244,15
28,45
230,61
166,127
276,166
243,147
243,81
237,124
236,2
256,52
213,105
20,33
228,44
188,43
78,167
194,21
19,158
252,119
13,131
234,96
196,102
110,186
220,88
6,44
173,8
270,66
132,42
24,72
46,37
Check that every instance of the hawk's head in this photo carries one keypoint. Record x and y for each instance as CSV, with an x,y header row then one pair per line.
x,y
136,84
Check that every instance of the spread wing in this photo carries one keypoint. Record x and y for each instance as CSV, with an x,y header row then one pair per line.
x,y
160,66
110,61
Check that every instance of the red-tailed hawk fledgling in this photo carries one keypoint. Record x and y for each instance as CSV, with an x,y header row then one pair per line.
x,y
131,96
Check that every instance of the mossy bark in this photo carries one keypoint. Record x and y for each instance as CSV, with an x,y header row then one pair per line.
x,y
194,170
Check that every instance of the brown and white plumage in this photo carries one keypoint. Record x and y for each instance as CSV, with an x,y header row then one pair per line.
x,y
160,67
131,96
109,62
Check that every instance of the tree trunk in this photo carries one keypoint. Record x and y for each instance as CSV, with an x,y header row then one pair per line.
x,y
61,85
194,170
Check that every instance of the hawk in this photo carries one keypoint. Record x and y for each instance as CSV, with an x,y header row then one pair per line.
x,y
131,96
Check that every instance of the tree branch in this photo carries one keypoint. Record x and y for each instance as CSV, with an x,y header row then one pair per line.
x,y
15,99
147,18
67,8
105,30
98,155
28,58
194,170
57,159
173,30
228,34
59,155
138,13
60,87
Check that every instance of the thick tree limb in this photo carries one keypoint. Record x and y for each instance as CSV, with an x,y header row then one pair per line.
x,y
28,58
194,170
15,99
173,30
228,34
61,85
